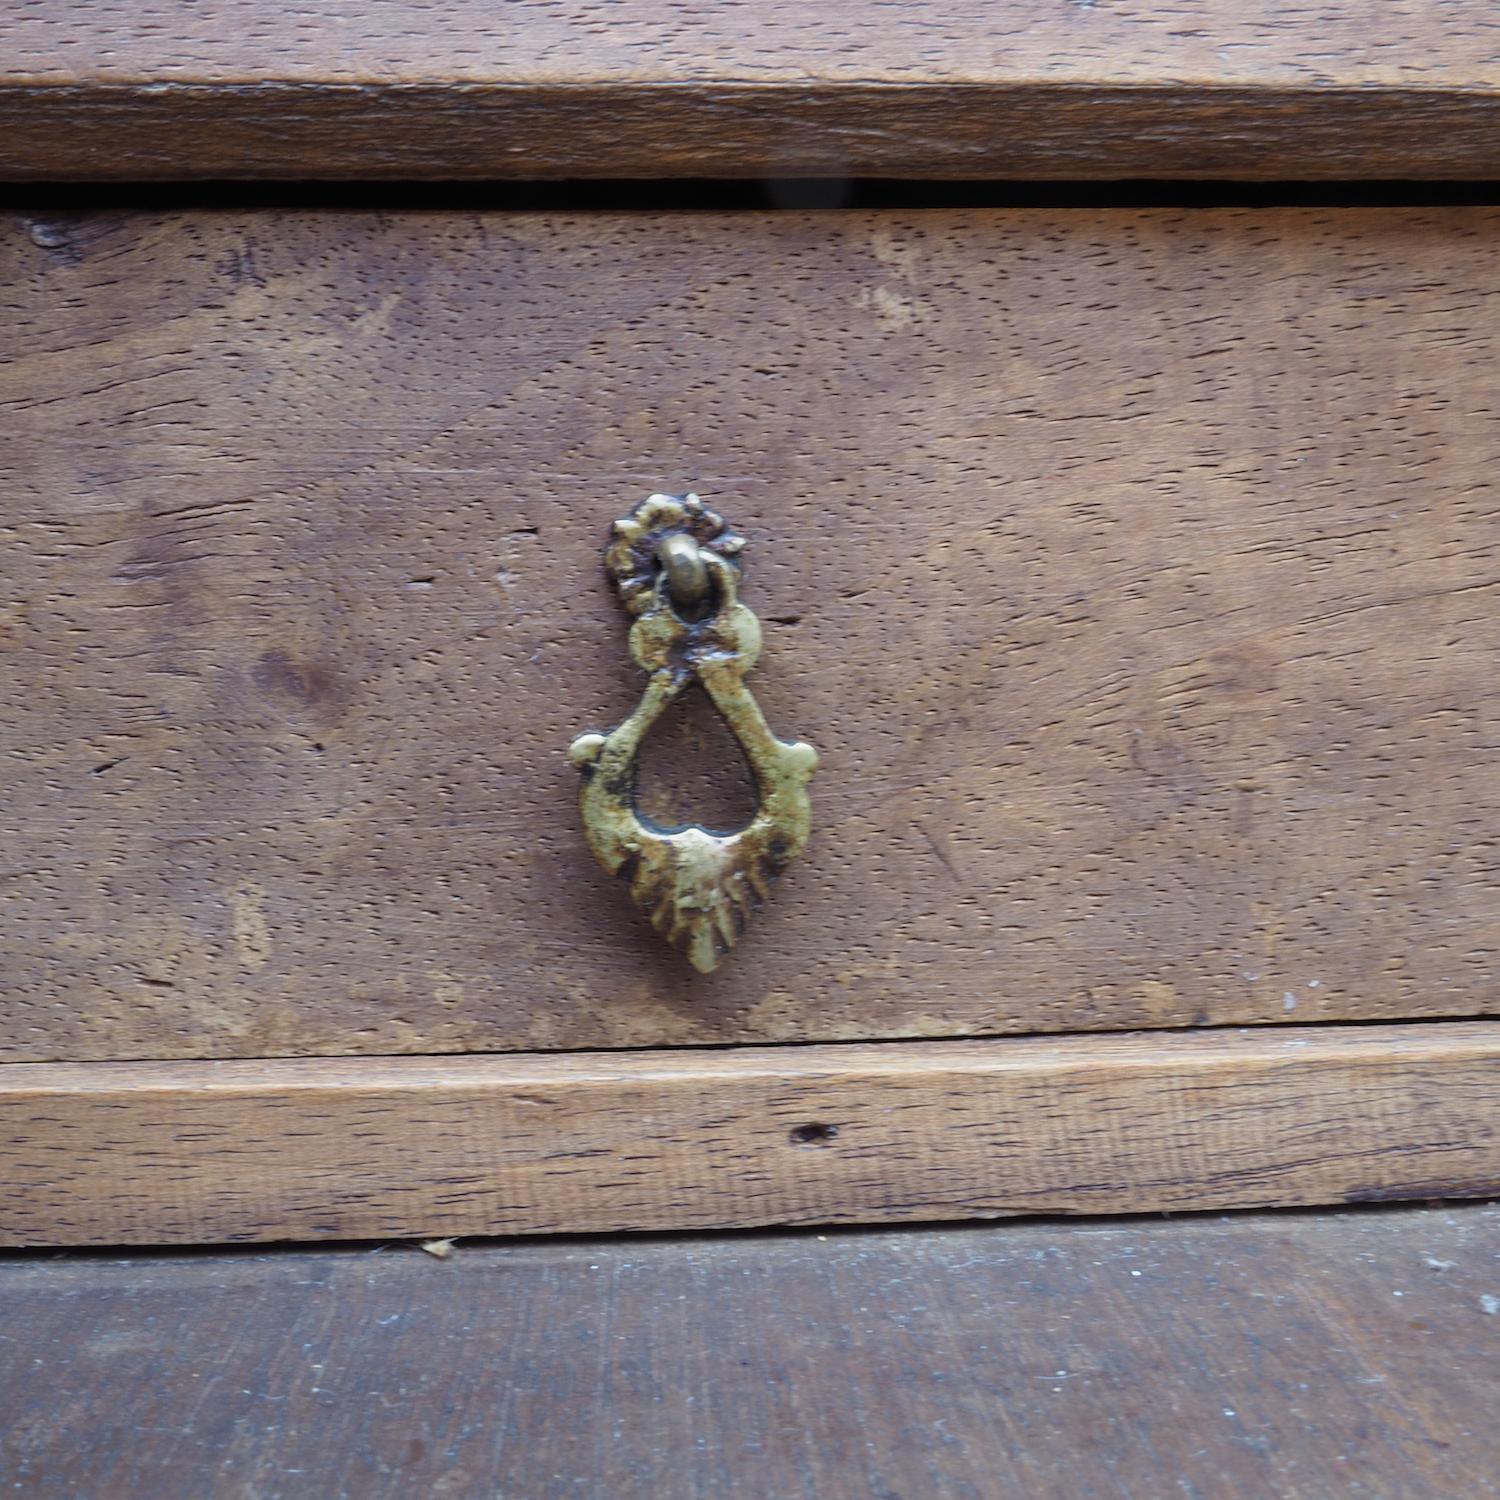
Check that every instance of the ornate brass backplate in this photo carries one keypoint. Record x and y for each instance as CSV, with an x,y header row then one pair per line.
x,y
672,563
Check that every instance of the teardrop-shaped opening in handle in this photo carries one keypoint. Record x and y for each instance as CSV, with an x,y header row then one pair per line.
x,y
692,771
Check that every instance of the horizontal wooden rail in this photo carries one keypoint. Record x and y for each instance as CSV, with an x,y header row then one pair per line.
x,y
141,1153
649,88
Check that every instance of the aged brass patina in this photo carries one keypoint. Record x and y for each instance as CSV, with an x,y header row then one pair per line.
x,y
671,560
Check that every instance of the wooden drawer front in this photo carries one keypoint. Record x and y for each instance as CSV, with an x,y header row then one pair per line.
x,y
1134,572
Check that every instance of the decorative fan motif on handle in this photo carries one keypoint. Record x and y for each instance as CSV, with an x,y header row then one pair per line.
x,y
672,562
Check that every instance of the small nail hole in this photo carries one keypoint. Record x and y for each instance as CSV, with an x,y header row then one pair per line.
x,y
813,1135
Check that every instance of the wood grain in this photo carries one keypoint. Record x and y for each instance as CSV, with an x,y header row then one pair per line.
x,y
1295,1355
172,1153
653,88
1134,572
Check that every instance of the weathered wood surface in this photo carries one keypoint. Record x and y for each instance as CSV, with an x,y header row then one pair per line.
x,y
1134,572
172,1153
1299,1356
646,88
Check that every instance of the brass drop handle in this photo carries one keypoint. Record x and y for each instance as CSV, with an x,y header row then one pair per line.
x,y
672,563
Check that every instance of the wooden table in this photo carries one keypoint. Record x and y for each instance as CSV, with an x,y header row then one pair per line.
x,y
1336,1354
1125,547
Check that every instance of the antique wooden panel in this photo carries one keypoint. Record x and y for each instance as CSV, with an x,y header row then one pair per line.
x,y
651,88
160,1153
1133,571
1299,1355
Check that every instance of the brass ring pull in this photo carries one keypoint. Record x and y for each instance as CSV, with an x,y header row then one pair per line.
x,y
671,560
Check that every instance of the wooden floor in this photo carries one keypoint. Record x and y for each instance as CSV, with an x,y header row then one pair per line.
x,y
1342,1354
